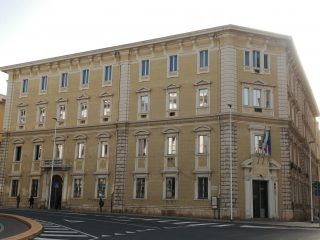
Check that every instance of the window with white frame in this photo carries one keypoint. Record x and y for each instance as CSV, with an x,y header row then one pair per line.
x,y
202,144
268,98
101,187
145,68
203,187
80,150
247,58
170,188
106,107
41,114
258,141
14,188
34,187
64,81
265,61
43,84
83,110
203,59
203,97
144,103
107,75
22,116
18,153
37,152
104,149
142,147
59,151
24,86
77,188
85,78
61,112
173,64
172,101
256,97
171,145
246,96
255,60
140,187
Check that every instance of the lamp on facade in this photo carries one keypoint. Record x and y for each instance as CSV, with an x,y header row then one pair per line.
x,y
310,181
53,157
230,156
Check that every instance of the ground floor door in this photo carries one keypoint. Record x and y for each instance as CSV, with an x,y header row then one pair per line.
x,y
56,192
260,198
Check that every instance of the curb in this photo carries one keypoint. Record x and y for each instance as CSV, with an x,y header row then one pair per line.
x,y
35,227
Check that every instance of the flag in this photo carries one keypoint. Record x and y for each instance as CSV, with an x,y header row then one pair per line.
x,y
266,145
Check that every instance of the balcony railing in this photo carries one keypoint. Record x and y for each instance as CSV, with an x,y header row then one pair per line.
x,y
57,163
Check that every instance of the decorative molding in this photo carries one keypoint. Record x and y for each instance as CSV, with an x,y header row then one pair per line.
x,y
80,137
142,90
202,82
202,129
141,133
170,131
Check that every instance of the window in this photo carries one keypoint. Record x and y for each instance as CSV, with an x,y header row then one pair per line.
x,y
246,96
247,58
170,188
106,107
37,152
77,187
44,84
83,110
266,61
145,67
173,63
59,151
41,114
104,149
64,80
85,78
172,145
24,86
101,187
144,104
256,58
140,187
18,153
173,99
202,144
80,150
268,99
61,112
107,74
203,59
34,187
14,187
142,147
203,97
22,116
202,188
256,97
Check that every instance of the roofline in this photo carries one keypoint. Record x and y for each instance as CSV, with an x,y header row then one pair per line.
x,y
147,42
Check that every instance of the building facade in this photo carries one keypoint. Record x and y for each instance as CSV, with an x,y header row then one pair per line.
x,y
205,123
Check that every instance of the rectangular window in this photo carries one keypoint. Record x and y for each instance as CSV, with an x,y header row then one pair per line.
x,y
41,114
247,58
203,97
62,112
173,63
37,152
44,84
142,147
18,153
34,187
101,187
144,103
14,188
173,97
103,149
80,150
106,107
59,151
77,187
258,141
140,187
202,188
256,97
246,96
268,99
145,65
22,116
85,77
170,188
64,80
256,58
172,146
203,59
266,61
107,74
24,87
83,110
202,144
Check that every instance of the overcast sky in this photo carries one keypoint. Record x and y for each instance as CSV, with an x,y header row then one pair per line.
x,y
36,29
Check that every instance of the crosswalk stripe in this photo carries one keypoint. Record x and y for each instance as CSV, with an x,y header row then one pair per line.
x,y
62,235
222,225
180,223
200,224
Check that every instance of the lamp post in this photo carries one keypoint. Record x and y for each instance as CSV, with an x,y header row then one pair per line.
x,y
53,157
310,182
230,159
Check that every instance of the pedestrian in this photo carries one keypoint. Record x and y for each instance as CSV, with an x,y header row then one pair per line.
x,y
31,201
18,201
101,203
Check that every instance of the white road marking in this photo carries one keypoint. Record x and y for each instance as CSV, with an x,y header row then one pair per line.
x,y
119,234
200,224
130,232
73,221
180,223
222,225
254,226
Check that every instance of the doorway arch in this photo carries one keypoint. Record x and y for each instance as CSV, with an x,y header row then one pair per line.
x,y
56,192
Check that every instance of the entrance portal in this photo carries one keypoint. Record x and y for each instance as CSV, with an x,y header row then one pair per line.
x,y
260,199
56,192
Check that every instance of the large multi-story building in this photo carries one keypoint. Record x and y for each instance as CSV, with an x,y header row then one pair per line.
x,y
2,173
171,126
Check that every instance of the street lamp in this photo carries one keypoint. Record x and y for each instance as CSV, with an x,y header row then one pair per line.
x,y
230,159
310,181
53,157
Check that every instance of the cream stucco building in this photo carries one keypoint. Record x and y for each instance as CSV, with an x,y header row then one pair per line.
x,y
159,126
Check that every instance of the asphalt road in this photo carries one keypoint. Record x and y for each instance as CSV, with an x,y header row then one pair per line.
x,y
11,226
71,225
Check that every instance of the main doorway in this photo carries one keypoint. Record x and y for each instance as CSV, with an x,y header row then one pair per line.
x,y
260,199
56,192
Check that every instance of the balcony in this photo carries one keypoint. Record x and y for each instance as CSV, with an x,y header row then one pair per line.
x,y
57,164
